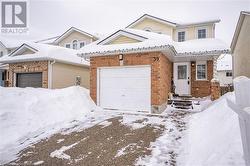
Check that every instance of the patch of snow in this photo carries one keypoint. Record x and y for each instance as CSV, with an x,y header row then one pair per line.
x,y
38,163
213,137
105,123
224,62
30,114
59,141
140,121
123,150
60,152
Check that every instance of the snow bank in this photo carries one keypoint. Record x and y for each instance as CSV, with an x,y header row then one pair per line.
x,y
213,137
25,111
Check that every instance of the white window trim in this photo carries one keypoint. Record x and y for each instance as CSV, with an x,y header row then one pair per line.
x,y
199,28
181,30
79,43
66,44
200,63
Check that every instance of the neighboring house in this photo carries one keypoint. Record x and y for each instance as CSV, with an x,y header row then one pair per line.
x,y
240,46
224,70
7,45
47,66
135,68
73,38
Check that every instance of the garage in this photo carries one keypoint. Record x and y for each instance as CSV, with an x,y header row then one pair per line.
x,y
124,88
29,80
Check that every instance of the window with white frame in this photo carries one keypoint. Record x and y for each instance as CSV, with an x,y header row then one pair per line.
x,y
229,74
82,44
202,33
1,53
181,36
74,44
67,45
201,71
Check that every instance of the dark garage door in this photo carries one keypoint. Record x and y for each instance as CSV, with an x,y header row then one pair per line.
x,y
29,80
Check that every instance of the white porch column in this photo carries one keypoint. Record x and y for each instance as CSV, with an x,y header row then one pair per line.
x,y
215,74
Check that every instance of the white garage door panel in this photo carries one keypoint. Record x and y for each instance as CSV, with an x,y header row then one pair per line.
x,y
125,88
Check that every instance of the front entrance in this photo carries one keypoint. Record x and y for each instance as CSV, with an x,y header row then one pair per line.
x,y
182,78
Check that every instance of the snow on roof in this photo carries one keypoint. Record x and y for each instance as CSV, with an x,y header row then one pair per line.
x,y
224,62
46,52
70,30
156,42
11,43
48,40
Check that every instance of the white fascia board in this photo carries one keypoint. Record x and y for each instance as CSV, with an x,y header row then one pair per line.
x,y
119,34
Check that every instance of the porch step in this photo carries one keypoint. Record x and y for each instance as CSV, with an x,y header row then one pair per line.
x,y
181,103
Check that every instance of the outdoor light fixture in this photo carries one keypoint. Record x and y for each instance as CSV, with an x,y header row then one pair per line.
x,y
192,64
120,57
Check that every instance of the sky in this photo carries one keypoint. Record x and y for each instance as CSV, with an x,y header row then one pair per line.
x,y
49,18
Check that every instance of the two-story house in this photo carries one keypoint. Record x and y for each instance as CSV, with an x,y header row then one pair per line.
x,y
137,67
49,63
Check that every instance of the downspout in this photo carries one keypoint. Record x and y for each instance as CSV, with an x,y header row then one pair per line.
x,y
50,73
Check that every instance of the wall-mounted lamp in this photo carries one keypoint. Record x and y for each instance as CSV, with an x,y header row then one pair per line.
x,y
192,64
120,57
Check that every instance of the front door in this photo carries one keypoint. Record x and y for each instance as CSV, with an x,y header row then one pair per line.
x,y
182,78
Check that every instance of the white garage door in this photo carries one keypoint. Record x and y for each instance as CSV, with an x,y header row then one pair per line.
x,y
125,88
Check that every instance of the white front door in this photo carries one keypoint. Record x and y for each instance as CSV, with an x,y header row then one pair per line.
x,y
125,88
182,78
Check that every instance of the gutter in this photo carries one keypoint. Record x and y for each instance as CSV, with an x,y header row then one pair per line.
x,y
50,73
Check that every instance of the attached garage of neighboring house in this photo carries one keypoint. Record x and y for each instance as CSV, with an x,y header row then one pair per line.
x,y
46,66
29,80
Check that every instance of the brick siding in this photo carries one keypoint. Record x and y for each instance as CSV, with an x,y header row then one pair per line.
x,y
201,88
29,67
161,72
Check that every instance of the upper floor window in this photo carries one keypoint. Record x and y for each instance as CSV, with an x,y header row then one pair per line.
x,y
67,45
181,36
74,44
1,53
201,71
202,33
82,44
229,74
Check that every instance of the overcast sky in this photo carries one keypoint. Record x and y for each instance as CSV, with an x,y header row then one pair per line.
x,y
49,18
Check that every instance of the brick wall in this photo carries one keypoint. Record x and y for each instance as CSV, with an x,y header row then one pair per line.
x,y
29,67
161,72
201,88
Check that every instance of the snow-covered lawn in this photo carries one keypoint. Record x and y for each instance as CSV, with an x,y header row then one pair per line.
x,y
71,129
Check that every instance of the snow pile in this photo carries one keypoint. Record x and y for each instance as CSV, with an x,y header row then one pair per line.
x,y
213,137
26,113
224,62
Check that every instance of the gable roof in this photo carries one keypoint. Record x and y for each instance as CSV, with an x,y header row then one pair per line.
x,y
158,42
121,33
242,16
45,52
22,48
153,18
70,30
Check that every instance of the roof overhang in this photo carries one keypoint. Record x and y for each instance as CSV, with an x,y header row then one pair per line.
x,y
238,28
69,31
153,18
203,23
21,49
10,61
